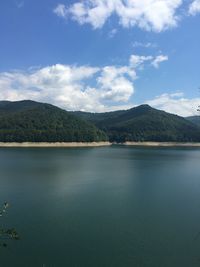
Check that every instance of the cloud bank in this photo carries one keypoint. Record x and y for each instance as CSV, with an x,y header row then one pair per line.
x,y
176,103
156,62
89,88
76,87
150,15
194,7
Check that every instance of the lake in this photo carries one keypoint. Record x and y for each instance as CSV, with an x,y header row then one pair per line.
x,y
106,206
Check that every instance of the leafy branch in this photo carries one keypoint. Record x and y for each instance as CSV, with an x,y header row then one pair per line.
x,y
6,234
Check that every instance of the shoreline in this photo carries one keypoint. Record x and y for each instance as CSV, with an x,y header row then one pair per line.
x,y
97,144
162,144
55,144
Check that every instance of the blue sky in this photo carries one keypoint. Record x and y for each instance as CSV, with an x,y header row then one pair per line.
x,y
100,55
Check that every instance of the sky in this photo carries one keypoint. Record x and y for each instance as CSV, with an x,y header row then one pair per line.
x,y
102,55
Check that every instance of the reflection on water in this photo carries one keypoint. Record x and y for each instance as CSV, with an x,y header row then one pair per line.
x,y
114,206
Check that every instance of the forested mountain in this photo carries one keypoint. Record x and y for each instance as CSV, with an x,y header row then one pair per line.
x,y
37,122
144,123
194,119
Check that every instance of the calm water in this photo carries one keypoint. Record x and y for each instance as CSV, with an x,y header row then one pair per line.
x,y
118,206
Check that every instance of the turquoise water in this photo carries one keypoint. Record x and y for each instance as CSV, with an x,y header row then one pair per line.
x,y
111,206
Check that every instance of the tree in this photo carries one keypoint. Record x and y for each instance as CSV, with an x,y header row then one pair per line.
x,y
6,234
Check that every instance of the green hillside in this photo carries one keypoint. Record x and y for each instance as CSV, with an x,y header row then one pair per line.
x,y
37,122
194,119
144,123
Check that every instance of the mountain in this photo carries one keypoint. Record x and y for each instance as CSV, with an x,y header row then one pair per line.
x,y
143,123
194,119
38,122
31,121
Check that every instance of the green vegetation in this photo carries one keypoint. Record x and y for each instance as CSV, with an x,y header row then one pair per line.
x,y
29,121
144,123
194,119
6,234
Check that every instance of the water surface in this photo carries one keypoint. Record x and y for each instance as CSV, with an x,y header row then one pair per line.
x,y
111,206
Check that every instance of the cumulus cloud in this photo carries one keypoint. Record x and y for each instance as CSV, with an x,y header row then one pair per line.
x,y
58,84
75,87
144,45
61,11
137,61
194,7
70,86
115,84
176,103
150,15
159,59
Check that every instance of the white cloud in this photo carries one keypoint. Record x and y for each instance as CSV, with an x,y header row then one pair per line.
x,y
176,103
137,61
157,60
151,15
75,87
58,84
115,84
70,86
112,33
61,11
144,45
194,7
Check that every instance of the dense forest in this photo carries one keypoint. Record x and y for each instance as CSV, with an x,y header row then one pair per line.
x,y
29,121
144,123
194,119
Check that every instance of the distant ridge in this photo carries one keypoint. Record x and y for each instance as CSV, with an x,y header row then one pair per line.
x,y
194,119
144,123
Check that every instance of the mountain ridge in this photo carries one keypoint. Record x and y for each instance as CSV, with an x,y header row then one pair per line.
x,y
194,119
30,121
144,123
39,122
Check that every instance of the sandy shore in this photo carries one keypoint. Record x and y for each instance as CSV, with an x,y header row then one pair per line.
x,y
44,144
169,144
97,144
